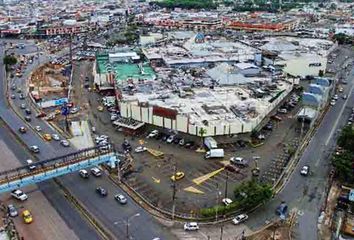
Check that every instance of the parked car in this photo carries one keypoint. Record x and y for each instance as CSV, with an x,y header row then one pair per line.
x,y
153,134
27,216
332,103
283,110
47,137
344,96
239,219
84,173
23,106
120,198
38,128
140,149
101,191
305,170
335,97
239,161
96,172
191,226
74,110
170,139
13,96
19,195
189,144
12,211
28,111
22,96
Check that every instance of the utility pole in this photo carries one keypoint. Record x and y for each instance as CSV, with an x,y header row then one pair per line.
x,y
226,183
221,231
174,190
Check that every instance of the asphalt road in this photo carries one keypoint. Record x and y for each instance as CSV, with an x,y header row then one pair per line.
x,y
107,211
306,195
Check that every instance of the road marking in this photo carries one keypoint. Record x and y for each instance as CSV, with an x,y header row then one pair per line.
x,y
340,114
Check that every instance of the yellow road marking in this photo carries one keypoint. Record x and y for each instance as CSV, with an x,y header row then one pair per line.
x,y
193,190
156,180
205,177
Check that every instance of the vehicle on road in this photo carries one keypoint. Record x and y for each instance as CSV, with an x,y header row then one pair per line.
x,y
21,96
13,96
65,143
189,144
153,134
121,198
19,195
34,149
28,118
191,226
41,114
101,191
23,106
100,108
22,129
84,173
332,103
74,110
340,89
140,149
30,164
96,172
226,201
283,110
28,111
38,128
215,153
12,211
27,216
13,87
55,137
344,96
177,176
239,219
47,137
335,97
305,170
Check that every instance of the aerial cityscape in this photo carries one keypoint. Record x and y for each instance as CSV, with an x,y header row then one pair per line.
x,y
176,120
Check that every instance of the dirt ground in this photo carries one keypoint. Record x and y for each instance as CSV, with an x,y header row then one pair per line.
x,y
151,176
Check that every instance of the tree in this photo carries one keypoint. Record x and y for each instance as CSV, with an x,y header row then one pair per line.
x,y
250,194
344,166
320,73
346,138
202,132
9,60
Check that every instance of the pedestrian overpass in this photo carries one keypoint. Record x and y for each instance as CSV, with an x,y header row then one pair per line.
x,y
55,167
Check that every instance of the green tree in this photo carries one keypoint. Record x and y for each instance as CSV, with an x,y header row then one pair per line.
x,y
320,73
250,194
344,166
346,138
202,132
9,60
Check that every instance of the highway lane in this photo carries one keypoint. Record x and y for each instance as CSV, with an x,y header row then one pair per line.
x,y
107,211
306,195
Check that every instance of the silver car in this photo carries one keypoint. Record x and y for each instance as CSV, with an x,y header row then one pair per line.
x,y
12,210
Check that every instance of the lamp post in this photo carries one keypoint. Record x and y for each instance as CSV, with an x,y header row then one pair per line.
x,y
126,222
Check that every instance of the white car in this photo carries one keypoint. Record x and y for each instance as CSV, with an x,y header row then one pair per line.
x,y
19,195
30,164
34,149
305,170
96,172
65,143
283,110
38,128
153,134
140,149
239,219
56,137
335,97
191,226
170,139
226,201
84,173
332,103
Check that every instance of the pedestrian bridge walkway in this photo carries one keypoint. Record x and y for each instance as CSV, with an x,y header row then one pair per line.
x,y
55,167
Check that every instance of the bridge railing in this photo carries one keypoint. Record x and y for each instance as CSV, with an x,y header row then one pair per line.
x,y
53,163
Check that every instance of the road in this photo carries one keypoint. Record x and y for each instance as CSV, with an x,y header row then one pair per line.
x,y
47,220
107,211
306,195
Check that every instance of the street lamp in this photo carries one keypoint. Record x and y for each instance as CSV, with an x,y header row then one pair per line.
x,y
126,222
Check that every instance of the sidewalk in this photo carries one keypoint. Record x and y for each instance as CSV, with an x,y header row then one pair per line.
x,y
83,140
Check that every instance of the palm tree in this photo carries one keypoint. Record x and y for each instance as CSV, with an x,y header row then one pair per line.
x,y
202,132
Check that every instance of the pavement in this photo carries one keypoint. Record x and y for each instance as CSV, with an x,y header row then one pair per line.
x,y
106,211
306,195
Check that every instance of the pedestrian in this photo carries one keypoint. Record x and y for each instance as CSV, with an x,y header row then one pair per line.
x,y
159,146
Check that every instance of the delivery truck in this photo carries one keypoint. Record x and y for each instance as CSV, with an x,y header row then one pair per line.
x,y
215,153
210,143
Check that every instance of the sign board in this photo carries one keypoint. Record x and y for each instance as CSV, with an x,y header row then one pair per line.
x,y
351,195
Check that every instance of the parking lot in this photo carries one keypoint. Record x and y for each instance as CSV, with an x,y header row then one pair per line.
x,y
205,182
